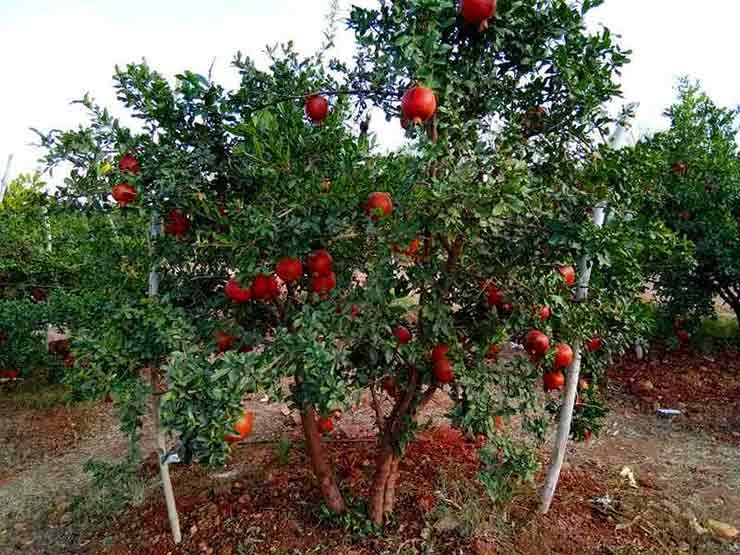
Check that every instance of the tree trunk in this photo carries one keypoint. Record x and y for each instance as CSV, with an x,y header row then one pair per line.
x,y
320,463
383,492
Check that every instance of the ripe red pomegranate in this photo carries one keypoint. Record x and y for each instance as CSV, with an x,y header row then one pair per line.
x,y
265,288
124,194
679,168
478,12
492,352
569,275
317,108
378,205
10,374
38,294
236,292
411,250
563,357
444,371
320,263
544,313
418,104
553,380
177,223
326,425
494,296
242,427
323,284
683,336
129,164
536,343
402,334
440,352
594,344
224,341
289,269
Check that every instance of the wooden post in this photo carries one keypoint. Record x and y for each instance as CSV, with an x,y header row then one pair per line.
x,y
571,383
159,432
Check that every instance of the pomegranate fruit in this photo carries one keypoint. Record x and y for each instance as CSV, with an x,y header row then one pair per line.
x,y
236,292
378,205
418,104
289,269
224,341
553,380
478,12
177,223
439,352
683,336
594,344
569,275
320,263
124,194
679,168
494,296
443,371
402,334
326,425
10,374
536,343
242,427
38,294
563,357
264,287
317,108
492,352
129,164
323,284
544,313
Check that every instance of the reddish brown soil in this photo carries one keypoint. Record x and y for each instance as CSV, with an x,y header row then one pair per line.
x,y
262,503
705,388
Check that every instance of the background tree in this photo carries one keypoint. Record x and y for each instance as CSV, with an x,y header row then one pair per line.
x,y
696,192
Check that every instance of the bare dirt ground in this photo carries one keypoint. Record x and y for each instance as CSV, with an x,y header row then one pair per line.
x,y
647,485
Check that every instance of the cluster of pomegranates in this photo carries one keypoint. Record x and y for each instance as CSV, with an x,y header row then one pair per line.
x,y
318,265
125,193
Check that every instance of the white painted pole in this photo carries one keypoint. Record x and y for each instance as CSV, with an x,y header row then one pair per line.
x,y
571,383
6,178
159,432
585,266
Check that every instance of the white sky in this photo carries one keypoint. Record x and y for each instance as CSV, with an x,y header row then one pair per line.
x,y
53,51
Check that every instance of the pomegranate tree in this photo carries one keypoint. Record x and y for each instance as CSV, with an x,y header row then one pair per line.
x,y
385,279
